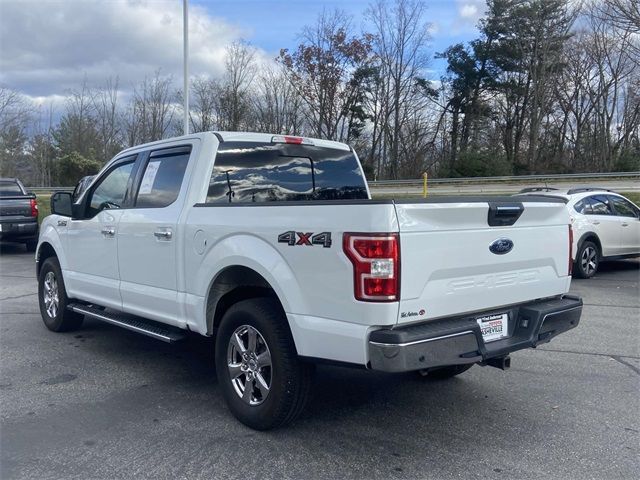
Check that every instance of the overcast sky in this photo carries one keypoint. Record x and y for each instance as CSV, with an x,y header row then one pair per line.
x,y
48,46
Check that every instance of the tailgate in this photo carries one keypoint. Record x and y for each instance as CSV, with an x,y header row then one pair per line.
x,y
454,256
15,207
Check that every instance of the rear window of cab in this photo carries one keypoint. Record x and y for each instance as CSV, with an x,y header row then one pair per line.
x,y
8,188
265,172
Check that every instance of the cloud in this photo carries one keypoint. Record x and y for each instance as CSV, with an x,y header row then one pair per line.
x,y
469,12
47,48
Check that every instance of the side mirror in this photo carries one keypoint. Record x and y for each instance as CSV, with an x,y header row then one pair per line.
x,y
61,204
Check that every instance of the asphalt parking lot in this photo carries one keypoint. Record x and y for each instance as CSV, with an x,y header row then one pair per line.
x,y
106,403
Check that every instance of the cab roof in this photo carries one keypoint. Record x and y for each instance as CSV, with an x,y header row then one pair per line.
x,y
246,137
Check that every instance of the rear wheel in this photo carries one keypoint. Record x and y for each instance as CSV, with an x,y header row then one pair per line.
x,y
53,299
587,260
442,373
261,378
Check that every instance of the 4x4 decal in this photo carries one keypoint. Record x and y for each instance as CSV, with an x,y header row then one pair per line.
x,y
293,238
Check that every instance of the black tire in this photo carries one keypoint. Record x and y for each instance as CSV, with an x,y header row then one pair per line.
x,y
31,245
51,283
587,260
288,378
442,373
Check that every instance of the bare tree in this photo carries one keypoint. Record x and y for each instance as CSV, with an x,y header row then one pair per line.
x,y
15,109
42,149
205,93
108,119
325,71
277,107
76,131
151,110
401,37
15,115
616,108
240,69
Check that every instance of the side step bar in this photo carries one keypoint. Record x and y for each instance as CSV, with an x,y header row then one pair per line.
x,y
150,328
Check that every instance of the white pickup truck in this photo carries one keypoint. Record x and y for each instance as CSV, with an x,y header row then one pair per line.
x,y
273,245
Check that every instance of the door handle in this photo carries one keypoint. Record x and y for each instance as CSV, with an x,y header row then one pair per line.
x,y
163,234
595,222
625,224
62,223
108,231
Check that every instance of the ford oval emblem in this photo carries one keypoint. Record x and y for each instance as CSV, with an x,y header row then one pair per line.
x,y
501,246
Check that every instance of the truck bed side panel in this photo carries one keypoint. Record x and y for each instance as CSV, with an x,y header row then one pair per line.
x,y
313,280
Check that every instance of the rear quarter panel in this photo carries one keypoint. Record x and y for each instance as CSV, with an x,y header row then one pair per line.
x,y
309,280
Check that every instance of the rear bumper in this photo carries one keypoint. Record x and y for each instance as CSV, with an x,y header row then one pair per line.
x,y
19,230
458,340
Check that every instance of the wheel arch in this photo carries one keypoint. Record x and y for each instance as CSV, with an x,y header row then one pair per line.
x,y
592,237
244,262
232,285
50,244
45,250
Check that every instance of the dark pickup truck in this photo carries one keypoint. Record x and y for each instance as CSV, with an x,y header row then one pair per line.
x,y
18,214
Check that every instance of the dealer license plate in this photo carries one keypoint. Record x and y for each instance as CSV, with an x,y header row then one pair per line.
x,y
494,327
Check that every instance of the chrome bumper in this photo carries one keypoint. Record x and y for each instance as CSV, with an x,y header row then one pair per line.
x,y
458,340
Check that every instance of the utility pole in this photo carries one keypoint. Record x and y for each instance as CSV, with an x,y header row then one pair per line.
x,y
185,28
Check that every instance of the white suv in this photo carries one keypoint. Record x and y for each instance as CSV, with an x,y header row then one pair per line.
x,y
606,226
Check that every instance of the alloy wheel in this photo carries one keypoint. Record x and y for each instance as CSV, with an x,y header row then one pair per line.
x,y
249,364
51,299
588,260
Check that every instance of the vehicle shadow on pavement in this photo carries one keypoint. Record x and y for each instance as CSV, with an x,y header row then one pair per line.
x,y
337,393
7,248
616,266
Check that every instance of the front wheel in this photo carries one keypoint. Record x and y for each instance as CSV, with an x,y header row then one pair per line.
x,y
587,260
53,299
261,378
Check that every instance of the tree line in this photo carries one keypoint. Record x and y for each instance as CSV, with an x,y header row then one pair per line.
x,y
547,86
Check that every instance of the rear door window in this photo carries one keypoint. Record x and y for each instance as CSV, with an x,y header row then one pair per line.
x,y
600,205
162,177
264,172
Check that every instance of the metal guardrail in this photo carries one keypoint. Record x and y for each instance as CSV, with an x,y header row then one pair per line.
x,y
503,179
37,190
451,181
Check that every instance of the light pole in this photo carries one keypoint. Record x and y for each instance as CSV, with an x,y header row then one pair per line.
x,y
185,28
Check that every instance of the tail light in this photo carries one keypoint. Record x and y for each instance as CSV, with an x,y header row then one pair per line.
x,y
376,265
34,207
570,250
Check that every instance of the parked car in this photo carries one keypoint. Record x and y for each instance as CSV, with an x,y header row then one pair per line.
x,y
273,245
606,225
18,214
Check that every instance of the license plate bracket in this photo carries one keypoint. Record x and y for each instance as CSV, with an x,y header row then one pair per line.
x,y
494,327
